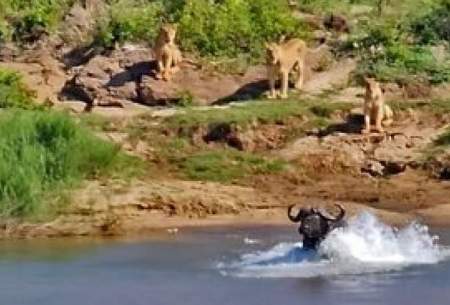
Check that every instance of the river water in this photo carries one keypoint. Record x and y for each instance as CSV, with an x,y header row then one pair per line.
x,y
367,263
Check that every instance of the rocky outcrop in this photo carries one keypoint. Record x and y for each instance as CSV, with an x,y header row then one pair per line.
x,y
80,22
202,87
108,80
128,75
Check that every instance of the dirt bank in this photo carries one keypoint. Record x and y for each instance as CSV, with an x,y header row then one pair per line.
x,y
397,175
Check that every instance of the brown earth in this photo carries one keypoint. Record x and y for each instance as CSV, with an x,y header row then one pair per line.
x,y
385,174
382,174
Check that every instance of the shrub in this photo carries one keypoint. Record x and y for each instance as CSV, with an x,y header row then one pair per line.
x,y
434,26
130,20
13,93
387,50
41,153
231,27
400,62
30,15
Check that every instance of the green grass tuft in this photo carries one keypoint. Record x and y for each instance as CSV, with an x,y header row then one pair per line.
x,y
227,165
13,93
42,154
246,113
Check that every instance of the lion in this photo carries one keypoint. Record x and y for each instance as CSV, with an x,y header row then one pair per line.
x,y
375,109
282,58
167,53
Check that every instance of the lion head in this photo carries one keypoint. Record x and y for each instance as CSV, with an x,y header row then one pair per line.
x,y
273,53
168,32
372,87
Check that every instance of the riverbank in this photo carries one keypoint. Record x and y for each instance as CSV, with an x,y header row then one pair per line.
x,y
207,148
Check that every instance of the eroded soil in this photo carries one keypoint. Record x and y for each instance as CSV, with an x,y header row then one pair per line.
x,y
391,174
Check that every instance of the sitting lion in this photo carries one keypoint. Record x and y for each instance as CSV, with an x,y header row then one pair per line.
x,y
282,58
167,53
375,109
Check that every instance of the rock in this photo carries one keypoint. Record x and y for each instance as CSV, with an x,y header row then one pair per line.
x,y
373,168
416,89
445,173
336,23
80,22
102,80
202,88
8,51
128,74
313,21
393,167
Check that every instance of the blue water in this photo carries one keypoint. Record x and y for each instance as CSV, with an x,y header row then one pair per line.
x,y
185,269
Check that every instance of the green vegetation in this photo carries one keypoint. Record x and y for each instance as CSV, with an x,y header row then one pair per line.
x,y
175,149
397,45
227,164
443,140
210,28
13,93
41,154
232,27
225,28
130,20
434,106
20,18
261,111
400,45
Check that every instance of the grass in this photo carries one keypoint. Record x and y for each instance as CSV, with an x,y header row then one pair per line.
x,y
43,154
13,93
443,140
433,106
175,150
20,18
226,165
398,46
246,113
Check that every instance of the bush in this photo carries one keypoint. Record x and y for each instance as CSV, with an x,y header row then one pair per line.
x,y
41,153
231,27
13,93
388,50
434,26
130,20
28,16
400,63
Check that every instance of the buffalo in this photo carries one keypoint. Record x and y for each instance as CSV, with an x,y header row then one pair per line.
x,y
315,225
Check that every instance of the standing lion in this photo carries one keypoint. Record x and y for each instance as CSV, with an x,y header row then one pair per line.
x,y
282,58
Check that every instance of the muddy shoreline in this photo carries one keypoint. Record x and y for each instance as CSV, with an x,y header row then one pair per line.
x,y
155,224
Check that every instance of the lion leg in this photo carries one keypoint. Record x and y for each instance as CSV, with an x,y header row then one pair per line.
x,y
366,128
159,74
177,59
168,60
367,119
388,117
300,75
272,94
284,84
379,119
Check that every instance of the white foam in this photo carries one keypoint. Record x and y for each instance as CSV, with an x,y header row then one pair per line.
x,y
366,245
250,241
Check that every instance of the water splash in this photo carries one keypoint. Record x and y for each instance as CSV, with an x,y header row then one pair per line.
x,y
366,245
